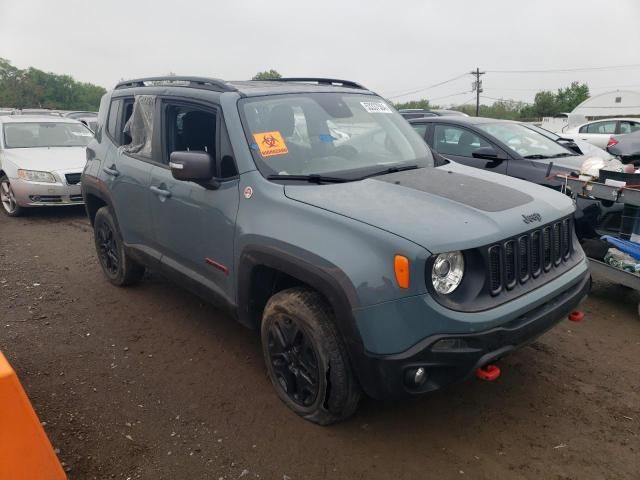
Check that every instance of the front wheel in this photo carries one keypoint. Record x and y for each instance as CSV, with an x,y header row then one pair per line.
x,y
306,359
119,267
8,199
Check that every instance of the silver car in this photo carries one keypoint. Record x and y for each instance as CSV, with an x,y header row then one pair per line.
x,y
41,160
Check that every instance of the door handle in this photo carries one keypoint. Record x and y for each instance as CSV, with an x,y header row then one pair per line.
x,y
161,192
112,170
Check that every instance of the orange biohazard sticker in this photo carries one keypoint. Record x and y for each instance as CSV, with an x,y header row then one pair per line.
x,y
271,143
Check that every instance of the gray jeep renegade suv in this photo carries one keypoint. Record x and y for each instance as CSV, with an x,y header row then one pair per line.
x,y
312,210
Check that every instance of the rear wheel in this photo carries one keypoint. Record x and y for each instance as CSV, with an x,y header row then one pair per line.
x,y
119,267
306,359
8,199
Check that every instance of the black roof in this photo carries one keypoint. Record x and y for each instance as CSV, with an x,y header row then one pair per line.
x,y
248,88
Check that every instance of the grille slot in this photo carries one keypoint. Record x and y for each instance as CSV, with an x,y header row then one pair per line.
x,y
510,264
73,178
495,269
529,256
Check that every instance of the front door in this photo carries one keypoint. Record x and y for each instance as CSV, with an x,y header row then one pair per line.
x,y
194,226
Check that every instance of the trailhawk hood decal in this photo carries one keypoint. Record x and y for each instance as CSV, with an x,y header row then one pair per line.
x,y
452,207
47,159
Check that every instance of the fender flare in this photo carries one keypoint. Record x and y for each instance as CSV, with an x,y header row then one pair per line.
x,y
97,188
319,274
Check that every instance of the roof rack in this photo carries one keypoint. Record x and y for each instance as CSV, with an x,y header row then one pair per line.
x,y
322,81
193,82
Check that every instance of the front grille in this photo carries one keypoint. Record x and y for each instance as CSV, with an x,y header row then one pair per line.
x,y
517,260
73,178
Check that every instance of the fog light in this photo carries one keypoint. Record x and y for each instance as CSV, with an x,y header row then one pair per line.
x,y
415,377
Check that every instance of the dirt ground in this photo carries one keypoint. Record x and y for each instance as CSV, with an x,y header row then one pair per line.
x,y
149,382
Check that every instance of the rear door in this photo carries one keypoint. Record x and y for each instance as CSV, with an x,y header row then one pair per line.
x,y
458,143
128,175
598,133
193,226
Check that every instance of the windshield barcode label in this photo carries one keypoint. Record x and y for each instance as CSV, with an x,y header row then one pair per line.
x,y
376,107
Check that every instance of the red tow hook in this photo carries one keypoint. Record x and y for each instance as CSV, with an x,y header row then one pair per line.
x,y
576,316
488,373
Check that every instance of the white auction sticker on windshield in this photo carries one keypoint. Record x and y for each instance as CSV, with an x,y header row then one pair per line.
x,y
376,107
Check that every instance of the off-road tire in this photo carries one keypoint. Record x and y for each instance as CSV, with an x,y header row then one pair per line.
x,y
338,391
125,271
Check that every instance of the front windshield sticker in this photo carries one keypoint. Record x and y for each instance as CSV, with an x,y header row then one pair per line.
x,y
271,144
376,107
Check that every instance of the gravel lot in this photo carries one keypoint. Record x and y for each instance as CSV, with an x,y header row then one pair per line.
x,y
148,382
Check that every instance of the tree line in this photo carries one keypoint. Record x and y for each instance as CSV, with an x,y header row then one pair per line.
x,y
545,104
33,88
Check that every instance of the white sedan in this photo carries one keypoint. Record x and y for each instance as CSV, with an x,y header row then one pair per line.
x,y
41,160
598,132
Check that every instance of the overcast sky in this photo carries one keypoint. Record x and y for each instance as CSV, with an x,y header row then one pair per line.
x,y
391,47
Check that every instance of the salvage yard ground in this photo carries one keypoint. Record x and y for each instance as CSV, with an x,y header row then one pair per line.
x,y
149,382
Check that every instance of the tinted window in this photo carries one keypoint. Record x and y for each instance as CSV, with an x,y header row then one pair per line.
x,y
524,141
600,127
629,127
450,140
112,122
420,129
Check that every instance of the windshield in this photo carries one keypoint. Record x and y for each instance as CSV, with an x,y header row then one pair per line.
x,y
46,134
525,141
321,133
543,131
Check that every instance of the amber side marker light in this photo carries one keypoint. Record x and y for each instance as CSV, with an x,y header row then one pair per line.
x,y
401,265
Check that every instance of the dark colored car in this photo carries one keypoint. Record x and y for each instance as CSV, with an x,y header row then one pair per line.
x,y
422,113
626,147
314,213
519,151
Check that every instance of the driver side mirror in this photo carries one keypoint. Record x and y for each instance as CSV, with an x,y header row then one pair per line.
x,y
488,153
191,166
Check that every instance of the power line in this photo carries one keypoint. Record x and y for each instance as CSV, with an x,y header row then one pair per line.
x,y
561,70
505,100
452,95
427,87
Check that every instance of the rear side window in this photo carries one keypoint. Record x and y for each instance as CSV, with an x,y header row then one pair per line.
x,y
420,129
138,129
599,127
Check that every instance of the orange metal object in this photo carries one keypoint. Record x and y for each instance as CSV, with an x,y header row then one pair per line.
x,y
401,265
25,450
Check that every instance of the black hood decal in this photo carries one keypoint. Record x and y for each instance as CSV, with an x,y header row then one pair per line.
x,y
471,191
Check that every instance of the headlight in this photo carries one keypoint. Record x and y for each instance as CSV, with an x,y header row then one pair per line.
x,y
36,176
447,272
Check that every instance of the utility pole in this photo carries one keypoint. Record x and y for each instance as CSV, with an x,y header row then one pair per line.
x,y
477,87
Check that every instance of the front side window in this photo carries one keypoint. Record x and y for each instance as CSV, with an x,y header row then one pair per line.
x,y
524,141
450,140
46,134
114,115
321,133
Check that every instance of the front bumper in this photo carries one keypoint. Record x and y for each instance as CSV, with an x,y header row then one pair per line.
x,y
39,194
451,358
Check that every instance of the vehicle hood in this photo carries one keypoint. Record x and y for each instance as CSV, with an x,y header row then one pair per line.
x,y
47,159
452,207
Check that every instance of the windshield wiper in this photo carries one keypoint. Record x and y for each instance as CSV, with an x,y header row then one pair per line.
x,y
312,178
390,170
537,156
